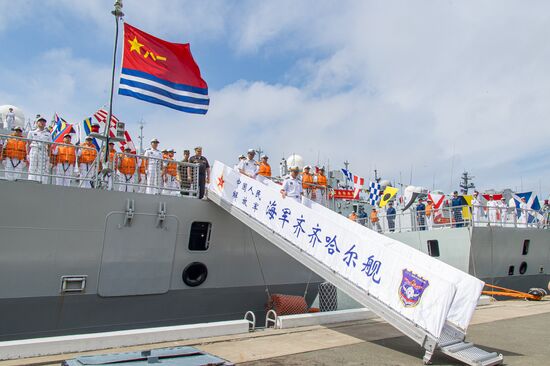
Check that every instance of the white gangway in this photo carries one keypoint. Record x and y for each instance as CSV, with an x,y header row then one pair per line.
x,y
426,299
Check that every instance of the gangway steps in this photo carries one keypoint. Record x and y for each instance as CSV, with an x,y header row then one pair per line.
x,y
451,341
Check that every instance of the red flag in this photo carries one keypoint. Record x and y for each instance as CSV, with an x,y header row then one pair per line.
x,y
161,72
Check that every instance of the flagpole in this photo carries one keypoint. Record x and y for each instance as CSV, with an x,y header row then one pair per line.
x,y
117,12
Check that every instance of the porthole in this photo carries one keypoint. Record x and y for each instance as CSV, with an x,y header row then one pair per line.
x,y
194,274
523,268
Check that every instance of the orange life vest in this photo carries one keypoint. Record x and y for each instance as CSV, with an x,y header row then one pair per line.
x,y
172,168
87,156
127,165
429,208
15,149
322,180
143,166
66,154
373,216
264,170
307,180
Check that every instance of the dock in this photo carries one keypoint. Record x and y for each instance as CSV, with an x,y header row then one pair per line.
x,y
518,329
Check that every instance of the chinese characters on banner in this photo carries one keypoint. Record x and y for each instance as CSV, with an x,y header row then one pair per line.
x,y
410,282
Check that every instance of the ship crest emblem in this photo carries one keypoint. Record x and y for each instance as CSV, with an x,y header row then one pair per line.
x,y
411,289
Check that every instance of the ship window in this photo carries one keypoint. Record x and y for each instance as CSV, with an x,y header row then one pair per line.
x,y
199,237
523,268
526,243
433,248
511,271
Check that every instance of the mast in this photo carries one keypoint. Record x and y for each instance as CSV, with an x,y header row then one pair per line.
x,y
465,182
346,164
141,124
117,12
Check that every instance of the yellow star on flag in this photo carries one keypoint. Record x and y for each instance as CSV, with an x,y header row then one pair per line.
x,y
135,45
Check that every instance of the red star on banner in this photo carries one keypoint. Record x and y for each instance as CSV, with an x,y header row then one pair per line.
x,y
221,182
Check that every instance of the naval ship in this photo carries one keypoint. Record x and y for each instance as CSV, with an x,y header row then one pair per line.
x,y
76,260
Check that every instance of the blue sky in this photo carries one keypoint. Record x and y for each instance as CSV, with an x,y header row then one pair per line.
x,y
434,86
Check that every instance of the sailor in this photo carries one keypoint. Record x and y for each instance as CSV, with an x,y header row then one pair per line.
x,y
15,154
249,166
456,204
154,167
320,194
421,215
353,216
429,213
108,169
477,209
204,170
292,187
492,210
524,213
374,220
142,175
127,164
164,158
239,159
65,158
390,215
9,122
307,182
503,206
264,168
38,151
170,175
86,161
182,174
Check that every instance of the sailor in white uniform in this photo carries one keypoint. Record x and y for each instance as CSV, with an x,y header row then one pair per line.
x,y
477,209
249,166
9,122
154,168
524,213
492,210
39,152
292,185
503,211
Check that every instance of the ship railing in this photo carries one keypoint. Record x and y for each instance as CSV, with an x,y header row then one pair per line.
x,y
454,217
316,193
144,175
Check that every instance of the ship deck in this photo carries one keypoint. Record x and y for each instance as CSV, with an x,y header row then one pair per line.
x,y
517,329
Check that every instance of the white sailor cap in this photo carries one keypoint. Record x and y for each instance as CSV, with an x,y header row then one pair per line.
x,y
154,140
89,138
242,156
307,167
251,151
264,157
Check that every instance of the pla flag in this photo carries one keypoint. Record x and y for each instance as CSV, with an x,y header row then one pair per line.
x,y
161,72
388,194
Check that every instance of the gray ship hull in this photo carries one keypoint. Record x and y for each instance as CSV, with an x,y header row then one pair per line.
x,y
132,262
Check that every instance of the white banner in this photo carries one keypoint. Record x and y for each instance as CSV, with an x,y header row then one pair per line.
x,y
422,289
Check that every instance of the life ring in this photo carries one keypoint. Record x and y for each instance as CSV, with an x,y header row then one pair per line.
x,y
194,274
